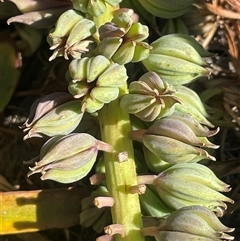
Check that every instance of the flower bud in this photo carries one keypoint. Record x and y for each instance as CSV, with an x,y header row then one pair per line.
x,y
79,89
188,184
69,158
190,223
96,80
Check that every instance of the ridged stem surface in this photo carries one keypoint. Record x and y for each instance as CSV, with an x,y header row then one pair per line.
x,y
121,174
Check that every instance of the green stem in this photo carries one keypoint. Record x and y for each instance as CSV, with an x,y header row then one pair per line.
x,y
121,175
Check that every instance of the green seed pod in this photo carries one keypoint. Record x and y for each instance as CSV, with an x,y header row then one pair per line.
x,y
96,66
179,190
177,129
68,176
152,204
196,223
175,25
114,76
105,94
73,162
168,67
59,121
174,151
77,69
154,163
181,46
178,59
82,29
199,129
68,158
90,105
108,46
44,105
166,9
120,38
191,103
79,89
97,7
149,98
64,26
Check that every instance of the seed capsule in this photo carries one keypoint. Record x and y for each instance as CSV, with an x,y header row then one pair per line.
x,y
68,158
197,186
122,39
196,223
178,59
149,98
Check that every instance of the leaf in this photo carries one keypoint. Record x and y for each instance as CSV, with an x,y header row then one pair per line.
x,y
31,211
9,72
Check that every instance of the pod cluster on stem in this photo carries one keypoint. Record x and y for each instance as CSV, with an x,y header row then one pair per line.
x,y
147,134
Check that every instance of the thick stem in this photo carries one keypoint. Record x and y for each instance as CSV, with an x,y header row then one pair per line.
x,y
121,175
